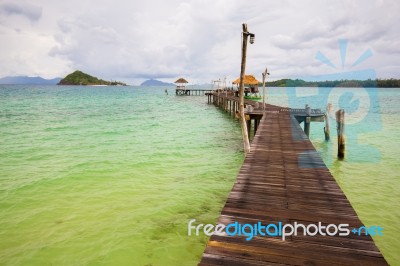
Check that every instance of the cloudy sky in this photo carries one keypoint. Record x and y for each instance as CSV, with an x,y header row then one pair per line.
x,y
132,40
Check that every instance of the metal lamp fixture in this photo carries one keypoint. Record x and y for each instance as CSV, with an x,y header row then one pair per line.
x,y
252,36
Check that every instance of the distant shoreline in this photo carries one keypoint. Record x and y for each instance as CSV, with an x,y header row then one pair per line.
x,y
370,83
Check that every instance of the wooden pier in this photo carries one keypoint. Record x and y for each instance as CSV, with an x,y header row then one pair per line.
x,y
254,111
283,179
191,92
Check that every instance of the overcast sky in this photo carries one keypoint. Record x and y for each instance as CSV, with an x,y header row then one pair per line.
x,y
131,40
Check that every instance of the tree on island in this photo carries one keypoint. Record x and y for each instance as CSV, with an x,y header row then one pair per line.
x,y
80,78
369,83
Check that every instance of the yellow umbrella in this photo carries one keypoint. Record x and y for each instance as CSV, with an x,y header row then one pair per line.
x,y
248,80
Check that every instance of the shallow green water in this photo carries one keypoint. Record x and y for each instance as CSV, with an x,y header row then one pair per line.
x,y
111,176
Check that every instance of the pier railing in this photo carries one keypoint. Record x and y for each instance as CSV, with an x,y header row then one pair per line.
x,y
183,91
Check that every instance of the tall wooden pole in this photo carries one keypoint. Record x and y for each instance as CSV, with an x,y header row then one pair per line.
x,y
263,76
245,135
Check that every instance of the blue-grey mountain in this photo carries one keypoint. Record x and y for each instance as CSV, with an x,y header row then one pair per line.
x,y
154,82
28,80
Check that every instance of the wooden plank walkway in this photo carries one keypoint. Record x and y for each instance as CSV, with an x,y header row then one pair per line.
x,y
284,179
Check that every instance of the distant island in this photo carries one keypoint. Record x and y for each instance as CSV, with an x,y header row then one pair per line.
x,y
154,82
370,83
80,78
25,80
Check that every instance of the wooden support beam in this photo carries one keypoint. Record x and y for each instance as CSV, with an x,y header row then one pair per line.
x,y
326,116
340,133
307,123
248,124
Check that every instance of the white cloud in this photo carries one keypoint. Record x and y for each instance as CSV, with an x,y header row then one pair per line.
x,y
136,40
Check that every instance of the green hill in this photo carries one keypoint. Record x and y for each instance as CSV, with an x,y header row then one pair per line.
x,y
80,78
370,83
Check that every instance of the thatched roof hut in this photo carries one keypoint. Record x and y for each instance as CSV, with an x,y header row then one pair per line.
x,y
180,84
181,81
248,80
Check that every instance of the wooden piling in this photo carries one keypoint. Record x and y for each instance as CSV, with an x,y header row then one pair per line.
x,y
307,121
340,132
326,116
248,123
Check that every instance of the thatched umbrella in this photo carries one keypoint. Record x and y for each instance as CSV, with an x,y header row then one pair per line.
x,y
248,80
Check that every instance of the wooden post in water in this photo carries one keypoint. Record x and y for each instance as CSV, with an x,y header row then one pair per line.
x,y
327,128
248,122
307,121
256,122
340,132
246,142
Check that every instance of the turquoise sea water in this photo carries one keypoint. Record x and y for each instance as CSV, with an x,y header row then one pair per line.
x,y
112,175
369,174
